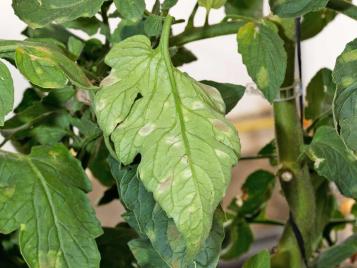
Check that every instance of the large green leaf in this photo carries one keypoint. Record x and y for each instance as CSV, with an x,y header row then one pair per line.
x,y
163,243
131,10
43,195
264,55
319,94
314,22
345,104
38,13
333,160
296,8
260,260
230,93
335,255
177,125
6,92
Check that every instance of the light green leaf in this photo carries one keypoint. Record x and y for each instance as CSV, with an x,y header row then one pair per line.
x,y
75,47
153,25
230,93
6,92
208,4
264,55
296,8
249,8
319,95
335,255
47,66
164,244
131,10
167,4
38,13
43,195
333,160
261,260
178,126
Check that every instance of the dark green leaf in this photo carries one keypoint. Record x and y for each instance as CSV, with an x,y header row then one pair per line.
x,y
131,10
264,55
314,22
108,196
230,93
114,241
239,237
43,195
87,25
181,56
335,255
269,150
248,8
126,29
38,13
333,160
54,31
261,260
6,92
319,95
167,4
295,8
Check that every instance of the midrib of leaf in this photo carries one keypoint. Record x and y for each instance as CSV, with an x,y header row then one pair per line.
x,y
50,201
164,47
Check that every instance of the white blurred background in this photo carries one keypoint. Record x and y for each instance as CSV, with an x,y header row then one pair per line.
x,y
218,60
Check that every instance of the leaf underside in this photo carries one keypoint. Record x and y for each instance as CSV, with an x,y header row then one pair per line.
x,y
177,125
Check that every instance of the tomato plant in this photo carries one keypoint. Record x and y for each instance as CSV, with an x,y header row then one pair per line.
x,y
159,140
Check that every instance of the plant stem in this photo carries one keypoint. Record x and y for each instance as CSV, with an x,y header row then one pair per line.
x,y
199,33
257,157
343,7
295,246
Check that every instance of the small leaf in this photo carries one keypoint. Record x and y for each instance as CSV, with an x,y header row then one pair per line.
x,y
47,66
126,29
333,160
167,4
131,10
38,13
335,255
6,92
153,25
314,22
269,150
296,8
186,173
264,55
75,47
43,195
261,260
320,93
248,8
208,4
230,93
181,56
88,25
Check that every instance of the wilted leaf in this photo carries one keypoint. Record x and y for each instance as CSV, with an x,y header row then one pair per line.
x,y
296,8
187,147
38,13
230,93
264,55
333,160
6,92
43,195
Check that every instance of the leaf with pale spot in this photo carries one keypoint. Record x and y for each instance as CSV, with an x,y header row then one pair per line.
x,y
178,126
38,13
43,195
264,55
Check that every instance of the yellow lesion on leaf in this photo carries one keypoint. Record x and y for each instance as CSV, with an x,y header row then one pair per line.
x,y
263,77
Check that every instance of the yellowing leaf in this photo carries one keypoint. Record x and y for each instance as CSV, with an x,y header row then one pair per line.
x,y
177,125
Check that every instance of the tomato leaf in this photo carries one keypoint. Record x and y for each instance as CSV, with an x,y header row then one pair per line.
x,y
296,8
6,92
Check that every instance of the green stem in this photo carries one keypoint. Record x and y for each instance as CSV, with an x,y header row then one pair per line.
x,y
343,7
256,157
199,33
294,177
